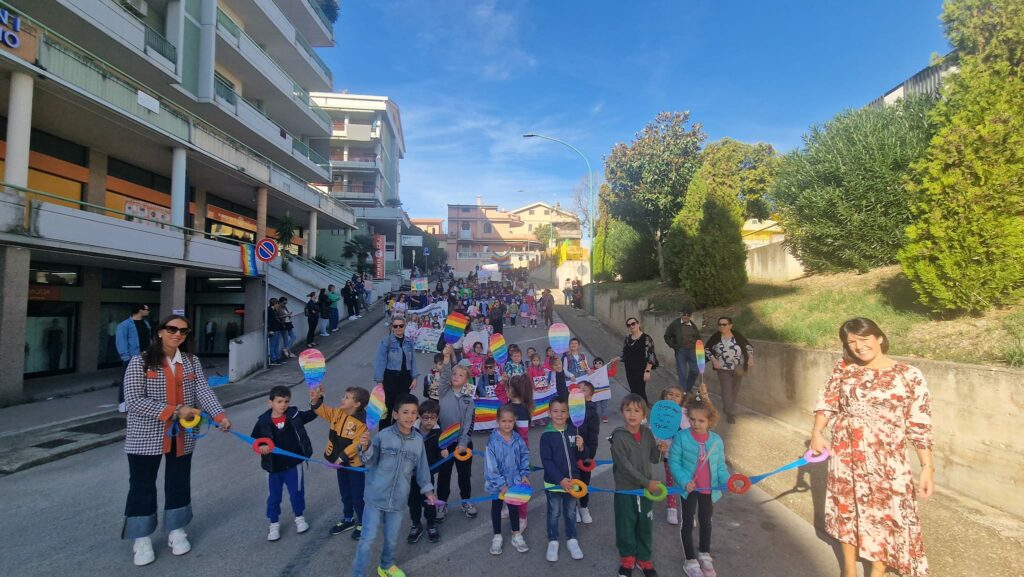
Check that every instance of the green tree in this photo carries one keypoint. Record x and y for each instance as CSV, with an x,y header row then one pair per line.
x,y
647,179
359,247
546,234
741,174
842,199
965,252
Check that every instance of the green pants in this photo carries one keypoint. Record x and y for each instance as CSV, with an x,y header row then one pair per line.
x,y
634,526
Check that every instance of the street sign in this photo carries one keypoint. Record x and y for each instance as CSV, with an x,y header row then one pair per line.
x,y
426,251
266,250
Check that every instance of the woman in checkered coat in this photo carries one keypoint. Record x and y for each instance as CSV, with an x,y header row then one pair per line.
x,y
161,386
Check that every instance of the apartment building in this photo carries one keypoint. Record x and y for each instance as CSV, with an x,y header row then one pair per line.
x,y
431,226
365,149
565,224
479,232
143,141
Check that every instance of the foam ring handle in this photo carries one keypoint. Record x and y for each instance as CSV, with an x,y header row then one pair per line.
x,y
463,454
191,423
261,442
738,484
662,493
586,465
810,457
578,489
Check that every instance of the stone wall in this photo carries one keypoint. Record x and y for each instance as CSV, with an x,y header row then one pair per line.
x,y
977,411
773,262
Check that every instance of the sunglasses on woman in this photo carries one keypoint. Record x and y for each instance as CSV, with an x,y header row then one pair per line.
x,y
173,330
398,326
632,324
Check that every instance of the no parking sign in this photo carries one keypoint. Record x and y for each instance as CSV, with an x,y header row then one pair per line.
x,y
266,250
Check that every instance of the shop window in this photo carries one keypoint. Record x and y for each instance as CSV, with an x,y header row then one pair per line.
x,y
130,280
215,327
50,335
140,176
217,284
54,274
111,315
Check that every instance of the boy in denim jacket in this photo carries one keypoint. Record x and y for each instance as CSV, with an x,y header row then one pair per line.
x,y
391,459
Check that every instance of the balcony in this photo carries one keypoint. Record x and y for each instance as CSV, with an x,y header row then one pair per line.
x,y
358,194
354,161
314,58
124,28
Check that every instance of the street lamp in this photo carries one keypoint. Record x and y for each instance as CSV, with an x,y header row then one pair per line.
x,y
593,211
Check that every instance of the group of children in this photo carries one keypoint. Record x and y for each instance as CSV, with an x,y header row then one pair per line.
x,y
403,462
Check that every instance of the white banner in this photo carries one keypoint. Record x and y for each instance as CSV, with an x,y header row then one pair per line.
x,y
601,382
426,340
440,308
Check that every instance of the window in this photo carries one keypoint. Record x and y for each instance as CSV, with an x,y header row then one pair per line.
x,y
487,227
465,209
465,226
546,212
531,212
529,227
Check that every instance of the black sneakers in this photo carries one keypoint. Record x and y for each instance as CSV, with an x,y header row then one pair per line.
x,y
415,532
342,526
357,533
433,535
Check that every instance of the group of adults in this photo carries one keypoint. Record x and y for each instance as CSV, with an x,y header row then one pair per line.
x,y
572,290
871,406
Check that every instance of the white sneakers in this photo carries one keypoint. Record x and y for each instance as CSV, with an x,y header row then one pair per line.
x,y
574,549
704,559
275,532
692,568
301,526
177,540
585,517
496,542
673,516
519,543
143,548
552,554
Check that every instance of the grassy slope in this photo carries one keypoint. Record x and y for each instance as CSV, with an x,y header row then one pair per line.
x,y
808,311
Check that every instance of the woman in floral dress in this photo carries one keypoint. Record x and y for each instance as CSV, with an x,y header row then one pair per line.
x,y
875,405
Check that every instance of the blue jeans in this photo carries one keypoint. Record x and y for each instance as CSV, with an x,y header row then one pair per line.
x,y
351,485
294,480
332,322
686,365
288,335
561,505
372,521
275,346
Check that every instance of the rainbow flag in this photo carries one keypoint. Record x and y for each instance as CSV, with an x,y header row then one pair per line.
x,y
248,254
449,435
541,402
485,415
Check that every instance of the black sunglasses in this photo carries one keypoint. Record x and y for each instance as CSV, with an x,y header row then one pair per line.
x,y
723,324
632,324
398,326
173,330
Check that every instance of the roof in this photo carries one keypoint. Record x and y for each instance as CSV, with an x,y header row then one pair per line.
x,y
544,205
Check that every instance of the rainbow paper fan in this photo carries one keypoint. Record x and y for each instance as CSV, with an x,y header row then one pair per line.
x,y
375,410
454,327
518,494
498,349
449,435
313,366
701,358
485,413
558,337
577,407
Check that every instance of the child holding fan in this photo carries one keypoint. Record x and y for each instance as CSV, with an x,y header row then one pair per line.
x,y
560,445
507,464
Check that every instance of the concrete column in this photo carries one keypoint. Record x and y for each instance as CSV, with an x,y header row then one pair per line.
x,y
179,198
344,153
261,213
199,220
89,320
311,233
398,244
14,265
255,306
19,131
96,187
172,290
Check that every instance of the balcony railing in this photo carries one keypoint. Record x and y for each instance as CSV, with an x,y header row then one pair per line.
x,y
228,24
222,90
156,40
320,12
304,149
312,54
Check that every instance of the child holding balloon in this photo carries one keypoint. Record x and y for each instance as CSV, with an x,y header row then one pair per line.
x,y
507,463
697,461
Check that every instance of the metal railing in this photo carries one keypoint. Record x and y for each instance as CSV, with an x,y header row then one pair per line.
x,y
224,20
309,153
308,49
323,17
225,91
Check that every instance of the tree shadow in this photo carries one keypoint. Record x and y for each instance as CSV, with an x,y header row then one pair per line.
x,y
898,293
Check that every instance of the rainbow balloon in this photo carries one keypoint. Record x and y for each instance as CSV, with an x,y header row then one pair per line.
x,y
313,366
701,358
518,494
498,349
558,337
454,327
577,407
449,435
376,408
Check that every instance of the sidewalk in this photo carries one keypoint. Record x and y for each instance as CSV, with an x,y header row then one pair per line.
x,y
960,535
39,432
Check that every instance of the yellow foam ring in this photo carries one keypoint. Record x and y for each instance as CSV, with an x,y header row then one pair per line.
x,y
191,423
463,454
578,489
662,493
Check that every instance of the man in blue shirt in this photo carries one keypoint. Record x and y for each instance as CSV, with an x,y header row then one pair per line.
x,y
132,336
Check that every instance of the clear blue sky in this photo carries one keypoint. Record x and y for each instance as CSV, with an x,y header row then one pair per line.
x,y
470,77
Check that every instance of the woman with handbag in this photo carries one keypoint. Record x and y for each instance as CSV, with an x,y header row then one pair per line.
x,y
731,355
638,358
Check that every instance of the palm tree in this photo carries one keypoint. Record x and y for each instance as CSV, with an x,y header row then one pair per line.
x,y
285,233
359,247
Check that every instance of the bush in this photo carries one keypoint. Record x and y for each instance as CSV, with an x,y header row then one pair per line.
x,y
842,198
618,249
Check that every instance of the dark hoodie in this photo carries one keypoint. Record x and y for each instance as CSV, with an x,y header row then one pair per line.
x,y
558,454
292,438
590,431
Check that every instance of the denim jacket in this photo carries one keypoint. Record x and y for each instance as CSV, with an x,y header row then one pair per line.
x,y
506,462
389,357
390,461
126,338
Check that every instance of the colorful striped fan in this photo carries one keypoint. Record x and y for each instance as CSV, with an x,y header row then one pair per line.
x,y
313,366
485,413
701,358
454,327
376,408
558,337
498,349
449,435
577,407
518,494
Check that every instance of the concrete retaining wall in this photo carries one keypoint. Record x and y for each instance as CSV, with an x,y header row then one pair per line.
x,y
977,411
246,355
773,262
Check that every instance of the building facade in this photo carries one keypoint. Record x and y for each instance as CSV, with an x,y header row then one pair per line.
x,y
927,81
477,233
431,226
143,141
565,224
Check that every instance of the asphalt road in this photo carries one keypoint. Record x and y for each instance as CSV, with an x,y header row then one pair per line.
x,y
64,518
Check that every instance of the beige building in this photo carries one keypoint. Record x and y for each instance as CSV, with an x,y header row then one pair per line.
x,y
566,224
480,234
434,226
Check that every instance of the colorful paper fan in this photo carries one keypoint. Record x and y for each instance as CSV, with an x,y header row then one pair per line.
x,y
454,327
664,420
449,435
518,494
577,407
498,349
313,366
376,408
558,337
701,358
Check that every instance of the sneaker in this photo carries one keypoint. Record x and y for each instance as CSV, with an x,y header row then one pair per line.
x,y
177,540
357,533
520,544
704,559
496,545
552,554
673,516
579,516
692,568
143,548
442,512
275,363
415,532
342,526
650,572
585,515
301,526
625,571
392,571
433,535
275,532
469,510
604,419
574,549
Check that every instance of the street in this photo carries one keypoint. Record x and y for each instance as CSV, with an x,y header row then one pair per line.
x,y
64,518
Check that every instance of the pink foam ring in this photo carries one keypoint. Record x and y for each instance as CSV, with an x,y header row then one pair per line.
x,y
375,409
810,457
558,337
577,407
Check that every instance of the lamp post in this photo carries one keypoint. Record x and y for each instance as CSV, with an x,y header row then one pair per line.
x,y
593,212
